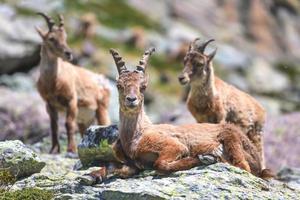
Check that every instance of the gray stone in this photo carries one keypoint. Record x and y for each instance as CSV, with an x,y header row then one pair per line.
x,y
20,160
95,146
19,44
18,81
271,105
213,182
22,115
231,57
265,79
290,175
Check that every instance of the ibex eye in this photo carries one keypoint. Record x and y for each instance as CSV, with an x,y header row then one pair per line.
x,y
143,88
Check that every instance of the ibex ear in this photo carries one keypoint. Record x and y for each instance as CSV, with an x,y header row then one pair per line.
x,y
212,55
145,80
41,32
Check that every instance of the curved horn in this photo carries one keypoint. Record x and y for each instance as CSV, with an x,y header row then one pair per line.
x,y
49,20
144,61
202,47
193,44
61,21
118,60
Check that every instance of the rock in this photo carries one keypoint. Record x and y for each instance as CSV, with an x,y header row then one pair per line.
x,y
20,160
22,116
231,57
271,105
58,177
281,138
263,78
18,81
237,80
52,5
213,182
19,44
95,146
290,175
113,108
179,115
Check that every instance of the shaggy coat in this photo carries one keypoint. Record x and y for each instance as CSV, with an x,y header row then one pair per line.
x,y
212,100
168,148
81,94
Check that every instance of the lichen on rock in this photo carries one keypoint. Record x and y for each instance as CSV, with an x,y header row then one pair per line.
x,y
18,159
95,146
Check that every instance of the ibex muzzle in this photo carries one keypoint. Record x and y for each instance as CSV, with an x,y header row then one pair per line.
x,y
131,84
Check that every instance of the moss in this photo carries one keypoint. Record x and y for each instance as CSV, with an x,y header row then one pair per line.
x,y
161,62
104,144
26,194
93,156
289,69
6,178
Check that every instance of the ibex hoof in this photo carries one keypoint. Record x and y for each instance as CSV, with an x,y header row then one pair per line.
x,y
88,180
54,150
207,159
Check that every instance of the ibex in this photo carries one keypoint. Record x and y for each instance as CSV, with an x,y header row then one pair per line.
x,y
168,148
212,100
81,94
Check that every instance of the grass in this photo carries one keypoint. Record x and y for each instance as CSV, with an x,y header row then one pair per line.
x,y
115,14
7,180
26,194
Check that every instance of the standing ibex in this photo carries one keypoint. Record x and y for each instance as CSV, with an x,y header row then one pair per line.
x,y
214,101
81,94
168,148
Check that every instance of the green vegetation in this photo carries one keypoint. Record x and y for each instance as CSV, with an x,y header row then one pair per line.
x,y
123,15
7,180
104,144
26,194
290,69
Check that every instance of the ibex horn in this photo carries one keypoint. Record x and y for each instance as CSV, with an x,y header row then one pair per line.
x,y
118,60
193,44
202,47
144,61
50,22
61,20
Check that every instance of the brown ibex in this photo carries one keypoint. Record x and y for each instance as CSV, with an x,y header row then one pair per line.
x,y
81,94
212,100
168,148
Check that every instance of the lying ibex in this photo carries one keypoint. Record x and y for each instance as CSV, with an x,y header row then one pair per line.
x,y
212,100
81,94
168,148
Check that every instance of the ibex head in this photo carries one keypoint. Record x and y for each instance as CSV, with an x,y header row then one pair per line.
x,y
55,39
131,84
196,63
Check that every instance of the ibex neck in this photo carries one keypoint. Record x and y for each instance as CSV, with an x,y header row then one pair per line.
x,y
49,62
205,86
130,129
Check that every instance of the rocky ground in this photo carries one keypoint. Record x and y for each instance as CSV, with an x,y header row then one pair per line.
x,y
258,51
217,181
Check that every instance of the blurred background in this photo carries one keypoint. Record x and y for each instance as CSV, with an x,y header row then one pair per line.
x,y
258,51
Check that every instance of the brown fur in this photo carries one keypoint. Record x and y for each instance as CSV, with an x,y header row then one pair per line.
x,y
168,148
81,94
214,101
